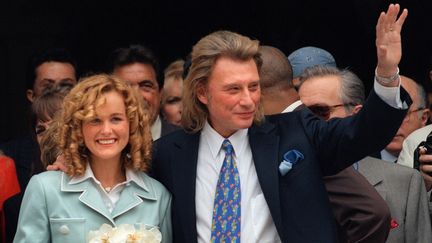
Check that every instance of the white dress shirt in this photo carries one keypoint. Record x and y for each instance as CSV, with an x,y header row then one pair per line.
x,y
293,106
409,145
156,129
111,197
256,222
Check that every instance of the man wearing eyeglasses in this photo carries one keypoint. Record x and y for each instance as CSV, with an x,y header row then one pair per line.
x,y
332,93
360,212
417,117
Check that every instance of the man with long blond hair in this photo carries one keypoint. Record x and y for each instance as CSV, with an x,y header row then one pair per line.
x,y
238,177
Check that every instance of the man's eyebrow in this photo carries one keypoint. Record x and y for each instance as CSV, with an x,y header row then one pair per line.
x,y
47,80
145,81
67,79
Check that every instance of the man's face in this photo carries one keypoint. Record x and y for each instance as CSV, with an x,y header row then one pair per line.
x,y
415,119
49,74
321,95
232,95
142,77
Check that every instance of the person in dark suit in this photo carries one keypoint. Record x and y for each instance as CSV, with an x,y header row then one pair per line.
x,y
138,66
402,188
360,212
271,189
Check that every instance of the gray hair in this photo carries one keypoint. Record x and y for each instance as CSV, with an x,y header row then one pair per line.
x,y
352,88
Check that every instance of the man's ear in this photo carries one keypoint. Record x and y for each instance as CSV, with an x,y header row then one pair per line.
x,y
425,116
202,94
356,109
30,95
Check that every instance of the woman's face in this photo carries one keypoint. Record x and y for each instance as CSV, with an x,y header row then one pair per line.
x,y
172,101
107,134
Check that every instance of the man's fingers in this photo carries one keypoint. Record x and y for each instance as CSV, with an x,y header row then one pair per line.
x,y
402,18
52,167
426,167
58,165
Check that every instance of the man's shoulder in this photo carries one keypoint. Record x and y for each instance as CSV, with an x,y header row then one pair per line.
x,y
178,137
391,172
167,128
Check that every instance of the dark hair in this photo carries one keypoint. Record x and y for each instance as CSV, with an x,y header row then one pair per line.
x,y
48,55
186,66
276,70
45,106
134,54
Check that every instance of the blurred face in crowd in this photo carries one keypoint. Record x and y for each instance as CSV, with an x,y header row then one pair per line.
x,y
40,129
415,118
107,134
231,95
49,74
321,96
172,100
142,77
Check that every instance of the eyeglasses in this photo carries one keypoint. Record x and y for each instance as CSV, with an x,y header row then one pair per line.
x,y
324,111
408,115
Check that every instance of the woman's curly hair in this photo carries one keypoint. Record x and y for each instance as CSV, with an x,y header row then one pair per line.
x,y
80,105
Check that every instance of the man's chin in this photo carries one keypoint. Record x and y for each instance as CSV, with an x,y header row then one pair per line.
x,y
394,148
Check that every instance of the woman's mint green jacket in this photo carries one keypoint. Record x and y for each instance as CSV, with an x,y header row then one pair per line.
x,y
55,211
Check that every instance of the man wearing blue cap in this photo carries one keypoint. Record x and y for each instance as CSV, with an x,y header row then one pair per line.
x,y
308,56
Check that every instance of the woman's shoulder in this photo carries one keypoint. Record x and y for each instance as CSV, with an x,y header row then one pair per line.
x,y
154,185
49,176
46,180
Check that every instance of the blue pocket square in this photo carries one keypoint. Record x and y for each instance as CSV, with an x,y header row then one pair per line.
x,y
290,159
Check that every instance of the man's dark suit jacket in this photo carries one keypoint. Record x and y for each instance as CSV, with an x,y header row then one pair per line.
x,y
168,128
298,201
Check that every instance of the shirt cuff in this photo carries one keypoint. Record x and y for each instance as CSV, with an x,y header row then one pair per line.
x,y
390,95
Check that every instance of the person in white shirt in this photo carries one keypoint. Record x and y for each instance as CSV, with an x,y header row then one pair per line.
x,y
278,161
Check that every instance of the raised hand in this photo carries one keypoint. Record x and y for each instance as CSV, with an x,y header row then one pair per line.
x,y
388,40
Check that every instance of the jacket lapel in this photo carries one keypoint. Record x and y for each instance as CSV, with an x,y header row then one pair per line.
x,y
265,149
132,195
184,178
371,169
90,196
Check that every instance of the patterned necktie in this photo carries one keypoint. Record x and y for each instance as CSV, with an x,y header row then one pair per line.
x,y
226,209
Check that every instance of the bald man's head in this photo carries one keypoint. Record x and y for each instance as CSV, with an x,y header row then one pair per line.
x,y
276,71
417,116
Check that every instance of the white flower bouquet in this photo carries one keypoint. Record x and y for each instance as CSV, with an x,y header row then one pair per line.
x,y
124,233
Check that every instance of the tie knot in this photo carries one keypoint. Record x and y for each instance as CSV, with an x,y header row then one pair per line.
x,y
227,147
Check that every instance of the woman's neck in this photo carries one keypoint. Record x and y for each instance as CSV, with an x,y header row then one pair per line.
x,y
109,173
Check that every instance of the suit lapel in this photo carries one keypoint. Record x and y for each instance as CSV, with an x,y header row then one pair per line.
x,y
131,196
90,196
371,169
184,179
265,149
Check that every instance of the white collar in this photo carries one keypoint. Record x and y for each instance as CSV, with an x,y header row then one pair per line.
x,y
156,128
387,156
292,107
131,176
214,140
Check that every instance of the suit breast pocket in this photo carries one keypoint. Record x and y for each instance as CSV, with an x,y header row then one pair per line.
x,y
67,230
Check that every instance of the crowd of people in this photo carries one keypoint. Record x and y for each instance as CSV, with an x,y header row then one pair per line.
x,y
238,142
